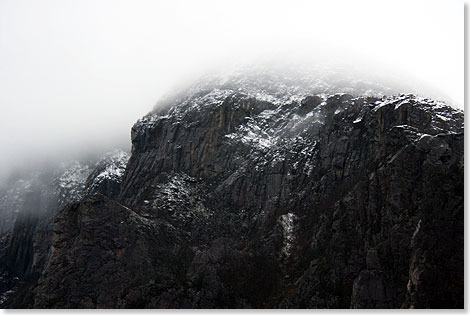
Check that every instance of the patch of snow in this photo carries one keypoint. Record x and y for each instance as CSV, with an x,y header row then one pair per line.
x,y
358,120
423,135
71,183
287,222
181,198
418,228
268,113
252,134
445,118
115,164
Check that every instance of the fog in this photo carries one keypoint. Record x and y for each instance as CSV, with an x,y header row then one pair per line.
x,y
76,75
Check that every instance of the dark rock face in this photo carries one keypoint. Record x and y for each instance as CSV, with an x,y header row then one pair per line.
x,y
114,249
238,200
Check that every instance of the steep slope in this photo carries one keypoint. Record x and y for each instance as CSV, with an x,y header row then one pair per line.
x,y
265,191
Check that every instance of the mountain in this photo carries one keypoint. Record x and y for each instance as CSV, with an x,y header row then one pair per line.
x,y
261,190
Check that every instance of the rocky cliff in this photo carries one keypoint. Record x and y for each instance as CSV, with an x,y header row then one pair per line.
x,y
268,192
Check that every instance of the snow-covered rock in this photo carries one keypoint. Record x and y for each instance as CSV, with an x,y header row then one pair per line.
x,y
107,174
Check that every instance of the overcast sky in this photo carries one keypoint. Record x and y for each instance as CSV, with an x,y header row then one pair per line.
x,y
78,74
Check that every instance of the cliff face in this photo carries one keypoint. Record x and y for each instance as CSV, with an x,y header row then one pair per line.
x,y
247,195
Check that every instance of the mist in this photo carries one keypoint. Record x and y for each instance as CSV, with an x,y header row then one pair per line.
x,y
76,75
